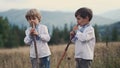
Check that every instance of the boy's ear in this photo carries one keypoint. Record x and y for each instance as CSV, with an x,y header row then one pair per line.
x,y
87,18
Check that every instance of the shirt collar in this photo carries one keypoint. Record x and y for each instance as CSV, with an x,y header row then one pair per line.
x,y
36,26
83,28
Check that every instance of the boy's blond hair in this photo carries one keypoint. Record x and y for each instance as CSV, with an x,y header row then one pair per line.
x,y
33,13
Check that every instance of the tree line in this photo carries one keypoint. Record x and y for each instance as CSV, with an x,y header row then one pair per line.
x,y
10,35
13,36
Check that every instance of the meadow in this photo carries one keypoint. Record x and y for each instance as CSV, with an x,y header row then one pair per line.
x,y
105,56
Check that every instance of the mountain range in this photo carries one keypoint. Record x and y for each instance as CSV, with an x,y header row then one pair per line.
x,y
59,18
113,14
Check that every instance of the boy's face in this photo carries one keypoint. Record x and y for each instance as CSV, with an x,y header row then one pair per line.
x,y
82,21
33,20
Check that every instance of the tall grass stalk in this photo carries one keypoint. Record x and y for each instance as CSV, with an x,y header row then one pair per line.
x,y
105,56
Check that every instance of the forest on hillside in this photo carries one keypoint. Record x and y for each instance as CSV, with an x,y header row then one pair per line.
x,y
13,36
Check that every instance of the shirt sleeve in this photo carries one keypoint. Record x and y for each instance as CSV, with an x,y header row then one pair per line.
x,y
44,36
85,36
74,38
28,38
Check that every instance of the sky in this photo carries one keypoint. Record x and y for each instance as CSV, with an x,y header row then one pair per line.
x,y
98,6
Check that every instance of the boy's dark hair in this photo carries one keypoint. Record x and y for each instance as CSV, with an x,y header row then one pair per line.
x,y
33,13
84,12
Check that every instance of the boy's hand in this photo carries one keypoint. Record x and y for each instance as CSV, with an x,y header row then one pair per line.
x,y
72,33
75,28
33,32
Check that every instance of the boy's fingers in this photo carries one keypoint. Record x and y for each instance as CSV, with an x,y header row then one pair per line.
x,y
72,33
75,28
32,30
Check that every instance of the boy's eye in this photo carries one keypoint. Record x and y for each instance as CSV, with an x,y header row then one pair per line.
x,y
78,18
31,18
28,18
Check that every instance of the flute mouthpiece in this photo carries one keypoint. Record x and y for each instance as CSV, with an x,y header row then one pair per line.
x,y
33,25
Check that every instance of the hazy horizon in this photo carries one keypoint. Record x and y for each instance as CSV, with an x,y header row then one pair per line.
x,y
99,6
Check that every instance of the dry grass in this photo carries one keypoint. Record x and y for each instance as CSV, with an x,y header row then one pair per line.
x,y
105,56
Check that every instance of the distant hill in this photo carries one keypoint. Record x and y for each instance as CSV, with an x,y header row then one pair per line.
x,y
99,20
51,18
113,14
16,17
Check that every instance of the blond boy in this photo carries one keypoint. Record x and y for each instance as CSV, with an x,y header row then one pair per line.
x,y
42,37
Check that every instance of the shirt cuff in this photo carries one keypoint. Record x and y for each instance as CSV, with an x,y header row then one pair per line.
x,y
75,31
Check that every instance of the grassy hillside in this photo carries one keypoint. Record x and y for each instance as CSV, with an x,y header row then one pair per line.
x,y
105,56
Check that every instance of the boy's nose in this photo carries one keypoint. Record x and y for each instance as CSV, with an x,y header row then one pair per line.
x,y
31,20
